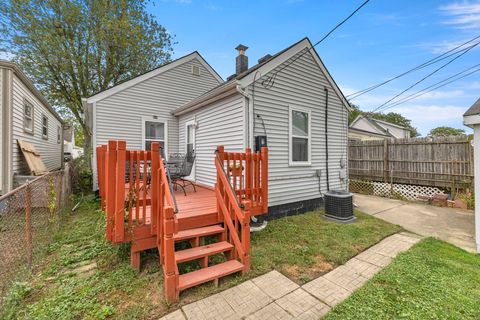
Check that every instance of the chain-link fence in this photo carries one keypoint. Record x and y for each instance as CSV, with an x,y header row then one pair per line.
x,y
29,216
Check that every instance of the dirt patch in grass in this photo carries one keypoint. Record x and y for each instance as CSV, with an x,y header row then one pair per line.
x,y
302,247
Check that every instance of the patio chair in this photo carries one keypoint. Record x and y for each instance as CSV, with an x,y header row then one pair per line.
x,y
179,167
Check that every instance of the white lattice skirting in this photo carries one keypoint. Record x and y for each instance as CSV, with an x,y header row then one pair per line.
x,y
410,192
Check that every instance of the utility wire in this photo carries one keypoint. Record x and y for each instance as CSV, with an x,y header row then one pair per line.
x,y
270,81
433,85
441,57
437,86
424,78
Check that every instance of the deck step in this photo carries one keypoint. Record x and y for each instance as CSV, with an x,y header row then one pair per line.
x,y
217,271
198,232
196,219
203,251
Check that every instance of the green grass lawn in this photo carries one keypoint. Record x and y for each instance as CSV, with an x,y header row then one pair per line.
x,y
301,247
433,280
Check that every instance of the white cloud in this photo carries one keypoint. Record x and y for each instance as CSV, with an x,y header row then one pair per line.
x,y
185,2
462,15
210,6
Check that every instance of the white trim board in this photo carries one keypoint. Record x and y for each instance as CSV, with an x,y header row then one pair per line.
x,y
127,84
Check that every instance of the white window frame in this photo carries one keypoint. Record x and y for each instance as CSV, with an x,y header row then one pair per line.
x,y
29,130
44,136
165,127
291,136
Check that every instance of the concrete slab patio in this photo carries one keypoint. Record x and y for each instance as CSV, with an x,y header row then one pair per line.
x,y
274,296
449,224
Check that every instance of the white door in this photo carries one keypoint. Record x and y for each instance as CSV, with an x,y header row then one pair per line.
x,y
190,145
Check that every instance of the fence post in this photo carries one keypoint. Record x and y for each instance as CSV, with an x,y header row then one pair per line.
x,y
110,185
385,160
28,223
154,170
60,191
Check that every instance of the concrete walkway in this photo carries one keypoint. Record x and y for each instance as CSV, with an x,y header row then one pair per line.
x,y
274,296
449,224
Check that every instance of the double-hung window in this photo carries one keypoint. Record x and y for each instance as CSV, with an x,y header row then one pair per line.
x,y
28,116
155,131
44,127
300,136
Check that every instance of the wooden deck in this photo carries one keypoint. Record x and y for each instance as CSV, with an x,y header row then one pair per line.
x,y
195,204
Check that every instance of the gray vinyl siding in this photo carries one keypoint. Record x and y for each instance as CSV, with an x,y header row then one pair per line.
x,y
50,149
301,85
119,116
221,123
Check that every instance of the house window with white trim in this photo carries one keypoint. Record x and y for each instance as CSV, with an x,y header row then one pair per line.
x,y
28,117
44,126
154,132
300,136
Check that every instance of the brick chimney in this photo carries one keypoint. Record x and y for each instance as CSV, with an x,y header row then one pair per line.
x,y
241,64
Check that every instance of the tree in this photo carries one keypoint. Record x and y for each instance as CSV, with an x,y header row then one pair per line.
x,y
74,49
445,131
392,117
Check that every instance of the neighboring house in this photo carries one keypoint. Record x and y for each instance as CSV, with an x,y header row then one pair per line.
x,y
70,150
471,118
299,111
367,128
25,115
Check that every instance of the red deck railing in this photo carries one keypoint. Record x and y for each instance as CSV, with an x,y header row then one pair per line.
x,y
140,208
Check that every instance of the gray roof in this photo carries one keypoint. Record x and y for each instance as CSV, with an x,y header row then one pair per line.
x,y
474,109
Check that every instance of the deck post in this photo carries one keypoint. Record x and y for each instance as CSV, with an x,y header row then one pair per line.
x,y
246,236
101,174
155,152
110,185
264,153
120,192
171,285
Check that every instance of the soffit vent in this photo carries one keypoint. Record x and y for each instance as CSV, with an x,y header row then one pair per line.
x,y
196,70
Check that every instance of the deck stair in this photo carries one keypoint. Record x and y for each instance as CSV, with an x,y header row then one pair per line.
x,y
214,225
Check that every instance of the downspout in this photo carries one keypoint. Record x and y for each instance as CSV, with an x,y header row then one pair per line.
x,y
326,137
247,107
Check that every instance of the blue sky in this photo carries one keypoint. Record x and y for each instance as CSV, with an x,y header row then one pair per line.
x,y
384,39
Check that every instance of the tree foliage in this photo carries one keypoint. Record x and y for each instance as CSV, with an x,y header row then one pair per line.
x,y
445,131
392,117
73,49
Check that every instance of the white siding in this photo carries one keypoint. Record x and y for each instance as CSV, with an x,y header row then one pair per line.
x,y
398,133
49,149
301,85
119,116
221,123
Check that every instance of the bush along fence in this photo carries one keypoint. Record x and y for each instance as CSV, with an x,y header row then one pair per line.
x,y
29,216
417,168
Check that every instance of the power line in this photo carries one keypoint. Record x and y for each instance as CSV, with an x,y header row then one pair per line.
x,y
441,57
270,81
424,78
420,93
433,85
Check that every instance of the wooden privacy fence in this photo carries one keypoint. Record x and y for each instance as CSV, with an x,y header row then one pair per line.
x,y
445,162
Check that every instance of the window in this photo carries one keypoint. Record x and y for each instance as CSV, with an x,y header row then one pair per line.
x,y
44,127
154,131
300,136
59,134
28,116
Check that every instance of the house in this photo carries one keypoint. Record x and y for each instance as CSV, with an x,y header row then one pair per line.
x,y
270,140
471,118
70,150
288,101
26,116
368,128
